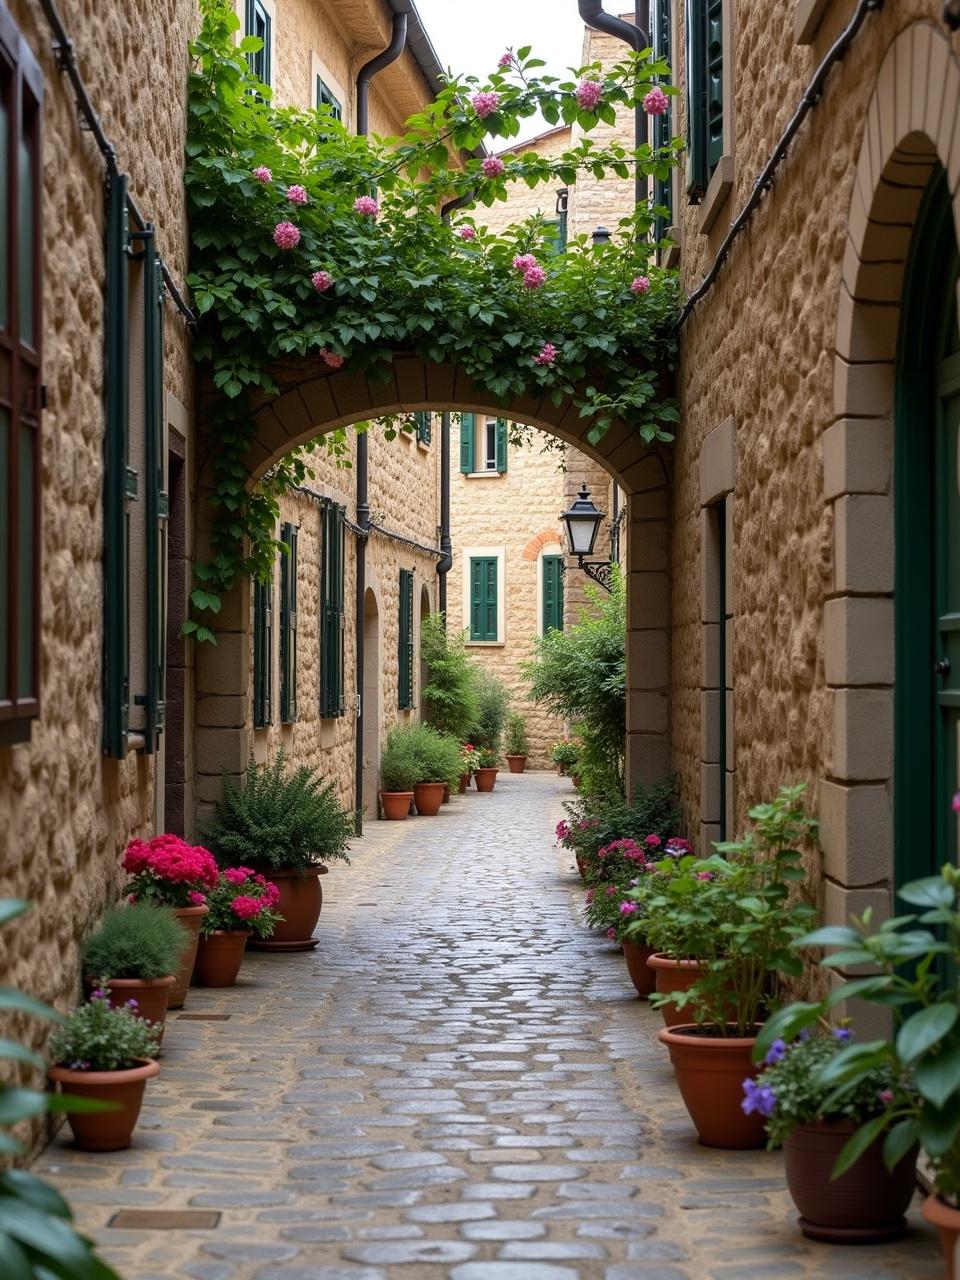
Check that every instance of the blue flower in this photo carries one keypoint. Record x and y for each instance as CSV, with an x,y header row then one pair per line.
x,y
843,1034
758,1098
776,1051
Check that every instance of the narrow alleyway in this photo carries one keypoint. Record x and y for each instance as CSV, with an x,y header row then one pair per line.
x,y
457,1083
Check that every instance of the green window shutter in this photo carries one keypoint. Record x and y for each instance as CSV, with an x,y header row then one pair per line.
x,y
557,233
325,98
405,650
483,598
288,624
468,432
713,50
663,124
258,23
552,593
501,446
704,27
262,654
332,622
423,427
157,507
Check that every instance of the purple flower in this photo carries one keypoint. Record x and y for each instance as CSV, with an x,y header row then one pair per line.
x,y
297,194
367,206
776,1051
843,1034
133,1004
628,908
505,59
98,993
492,167
758,1098
885,1096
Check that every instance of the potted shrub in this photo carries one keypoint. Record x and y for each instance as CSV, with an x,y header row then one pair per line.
x,y
106,1055
287,826
814,1122
564,755
449,695
517,746
467,762
437,758
398,773
166,871
242,903
593,822
492,701
134,953
486,769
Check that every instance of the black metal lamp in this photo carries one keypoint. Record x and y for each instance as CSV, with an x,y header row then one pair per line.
x,y
601,235
583,521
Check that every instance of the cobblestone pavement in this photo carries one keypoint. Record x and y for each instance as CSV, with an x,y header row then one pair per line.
x,y
457,1083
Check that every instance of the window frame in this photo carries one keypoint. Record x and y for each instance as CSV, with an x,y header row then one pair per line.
x,y
262,653
323,96
496,635
405,646
548,558
332,611
289,565
253,8
707,109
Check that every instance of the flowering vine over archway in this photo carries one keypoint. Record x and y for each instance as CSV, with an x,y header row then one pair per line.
x,y
309,241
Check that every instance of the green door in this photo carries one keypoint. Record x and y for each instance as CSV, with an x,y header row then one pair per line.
x,y
927,498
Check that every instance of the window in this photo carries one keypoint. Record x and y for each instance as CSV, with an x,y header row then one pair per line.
x,y
262,654
551,613
333,569
483,444
704,24
483,598
288,624
662,124
259,23
327,99
405,644
21,238
423,421
556,228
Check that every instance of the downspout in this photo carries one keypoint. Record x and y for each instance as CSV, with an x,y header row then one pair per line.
x,y
391,53
635,35
446,545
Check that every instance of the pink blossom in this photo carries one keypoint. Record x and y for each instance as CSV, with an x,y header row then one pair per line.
x,y
655,102
610,890
235,875
246,908
652,841
466,233
367,206
262,173
492,167
611,933
956,803
589,896
640,284
534,277
485,104
334,361
197,898
297,194
589,93
524,261
321,281
704,875
885,1096
286,235
628,908
548,352
505,59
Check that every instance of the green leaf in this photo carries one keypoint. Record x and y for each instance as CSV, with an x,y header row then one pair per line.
x,y
20,1002
938,1075
901,1138
785,1024
939,1127
835,935
10,908
855,1146
34,1191
18,1052
853,1061
924,1029
933,891
14,1263
19,1104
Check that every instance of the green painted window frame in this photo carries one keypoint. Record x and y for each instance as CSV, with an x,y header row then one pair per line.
x,y
558,241
405,642
155,495
551,604
662,124
484,612
424,427
325,97
261,62
468,442
262,654
21,539
705,104
332,619
289,566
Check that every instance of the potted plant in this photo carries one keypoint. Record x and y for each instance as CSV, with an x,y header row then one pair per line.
x,y
104,1054
133,953
596,821
449,695
814,1122
486,769
243,902
517,746
467,763
749,921
492,701
286,826
564,755
438,767
614,910
166,871
398,773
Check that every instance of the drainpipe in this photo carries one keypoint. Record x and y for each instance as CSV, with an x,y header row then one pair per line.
x,y
400,8
446,545
636,36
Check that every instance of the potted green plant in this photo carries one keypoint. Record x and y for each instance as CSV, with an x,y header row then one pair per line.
x,y
106,1055
398,773
517,744
242,903
449,695
287,826
564,755
486,769
168,872
437,758
814,1122
134,953
493,698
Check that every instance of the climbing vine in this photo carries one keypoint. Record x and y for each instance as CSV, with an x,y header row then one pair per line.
x,y
308,241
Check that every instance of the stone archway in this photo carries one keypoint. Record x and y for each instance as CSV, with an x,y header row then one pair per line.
x,y
908,137
312,400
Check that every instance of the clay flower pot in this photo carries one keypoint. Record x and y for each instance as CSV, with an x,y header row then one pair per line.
x,y
562,770
641,975
581,865
151,995
575,779
517,763
485,778
219,957
865,1205
674,975
428,797
446,793
106,1130
710,1072
190,918
395,804
464,783
946,1219
301,898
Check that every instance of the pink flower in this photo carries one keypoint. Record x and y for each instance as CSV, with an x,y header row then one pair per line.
x,y
640,284
262,173
286,235
246,908
589,93
466,233
548,352
485,104
235,875
628,908
956,803
590,895
534,277
704,875
885,1096
297,194
505,59
524,261
611,933
367,206
492,167
655,102
321,281
334,361
652,842
197,898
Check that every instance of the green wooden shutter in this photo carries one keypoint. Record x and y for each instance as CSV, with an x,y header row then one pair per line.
x,y
157,505
288,624
468,432
423,427
713,50
552,593
483,598
258,23
501,445
704,26
332,622
556,229
405,645
663,124
262,654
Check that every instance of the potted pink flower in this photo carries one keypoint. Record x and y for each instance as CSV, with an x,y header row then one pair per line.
x,y
468,762
242,901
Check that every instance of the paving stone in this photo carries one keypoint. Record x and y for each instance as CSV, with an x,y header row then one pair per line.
x,y
512,1271
503,1230
550,1251
400,1252
451,1212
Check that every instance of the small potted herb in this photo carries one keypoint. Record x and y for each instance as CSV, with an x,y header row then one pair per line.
x,y
243,902
106,1055
517,744
135,950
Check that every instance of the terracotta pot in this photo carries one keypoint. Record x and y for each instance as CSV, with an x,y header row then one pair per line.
x,y
485,778
581,865
517,763
395,804
190,918
105,1130
674,975
464,783
710,1072
219,957
151,995
865,1205
562,770
301,898
428,797
575,779
446,793
947,1222
641,975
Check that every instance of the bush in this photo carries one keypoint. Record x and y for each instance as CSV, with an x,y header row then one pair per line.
x,y
419,752
398,762
135,941
277,820
493,698
595,821
566,753
450,693
98,1038
517,741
